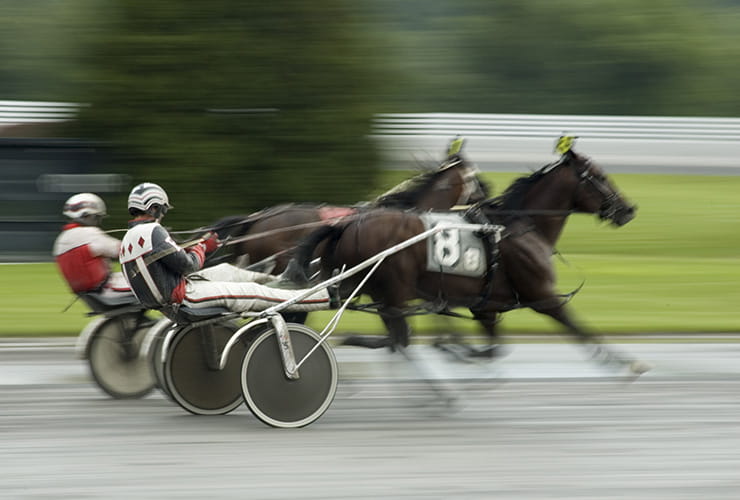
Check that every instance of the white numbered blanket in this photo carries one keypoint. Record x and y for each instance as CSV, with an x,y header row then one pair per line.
x,y
454,251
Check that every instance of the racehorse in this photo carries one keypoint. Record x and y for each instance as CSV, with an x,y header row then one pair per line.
x,y
533,210
276,230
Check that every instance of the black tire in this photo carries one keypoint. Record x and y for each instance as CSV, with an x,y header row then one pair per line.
x,y
274,398
193,384
114,360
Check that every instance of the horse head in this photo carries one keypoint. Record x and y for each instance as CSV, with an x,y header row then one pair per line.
x,y
464,181
547,196
595,193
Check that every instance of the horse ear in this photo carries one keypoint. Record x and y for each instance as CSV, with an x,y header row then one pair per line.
x,y
455,146
564,144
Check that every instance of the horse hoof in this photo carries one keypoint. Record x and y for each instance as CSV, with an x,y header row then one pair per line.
x,y
490,352
639,367
354,340
369,341
455,351
294,274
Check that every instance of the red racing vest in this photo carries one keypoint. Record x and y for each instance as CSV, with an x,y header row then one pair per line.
x,y
81,253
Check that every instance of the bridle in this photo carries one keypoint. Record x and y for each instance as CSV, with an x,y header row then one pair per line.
x,y
611,203
471,184
469,180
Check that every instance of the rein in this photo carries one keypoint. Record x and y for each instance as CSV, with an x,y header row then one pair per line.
x,y
271,232
262,214
536,212
263,234
204,229
564,297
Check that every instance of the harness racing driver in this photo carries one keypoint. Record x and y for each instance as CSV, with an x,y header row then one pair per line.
x,y
161,273
83,252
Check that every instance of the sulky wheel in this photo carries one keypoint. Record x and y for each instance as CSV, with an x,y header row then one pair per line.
x,y
114,359
274,398
192,377
154,354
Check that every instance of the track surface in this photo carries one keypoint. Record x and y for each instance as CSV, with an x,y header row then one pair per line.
x,y
542,424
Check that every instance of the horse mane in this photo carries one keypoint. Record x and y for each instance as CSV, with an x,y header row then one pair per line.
x,y
406,194
513,196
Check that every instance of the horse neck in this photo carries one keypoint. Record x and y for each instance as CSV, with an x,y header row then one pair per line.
x,y
444,193
554,199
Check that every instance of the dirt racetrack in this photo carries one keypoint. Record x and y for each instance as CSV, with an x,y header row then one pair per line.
x,y
542,424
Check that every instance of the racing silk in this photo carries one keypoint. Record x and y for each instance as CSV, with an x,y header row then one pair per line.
x,y
83,255
154,265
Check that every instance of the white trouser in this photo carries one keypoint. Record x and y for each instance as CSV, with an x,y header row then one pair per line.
x,y
227,272
116,286
228,286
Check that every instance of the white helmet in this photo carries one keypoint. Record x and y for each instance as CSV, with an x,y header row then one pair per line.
x,y
147,194
84,204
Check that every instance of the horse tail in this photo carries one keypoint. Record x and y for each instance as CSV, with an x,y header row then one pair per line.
x,y
304,251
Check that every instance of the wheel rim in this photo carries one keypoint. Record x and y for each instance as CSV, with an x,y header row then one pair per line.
x,y
192,383
114,361
154,354
157,365
282,402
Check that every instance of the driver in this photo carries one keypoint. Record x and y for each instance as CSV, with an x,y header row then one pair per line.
x,y
162,273
83,252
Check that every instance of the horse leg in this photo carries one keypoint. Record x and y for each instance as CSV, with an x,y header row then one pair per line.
x,y
398,332
488,321
296,317
398,341
596,347
454,344
397,326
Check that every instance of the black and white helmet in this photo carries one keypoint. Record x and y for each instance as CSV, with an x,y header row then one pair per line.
x,y
146,195
82,205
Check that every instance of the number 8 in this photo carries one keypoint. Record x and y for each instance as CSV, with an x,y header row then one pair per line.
x,y
447,247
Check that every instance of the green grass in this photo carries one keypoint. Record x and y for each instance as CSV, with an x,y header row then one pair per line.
x,y
675,268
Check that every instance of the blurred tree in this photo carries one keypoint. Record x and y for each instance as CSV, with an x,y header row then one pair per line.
x,y
665,57
608,57
37,46
232,105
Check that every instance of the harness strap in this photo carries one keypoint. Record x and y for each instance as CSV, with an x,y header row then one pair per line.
x,y
154,257
468,188
144,271
142,268
490,242
77,297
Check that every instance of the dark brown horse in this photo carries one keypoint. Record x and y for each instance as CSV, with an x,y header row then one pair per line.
x,y
274,231
534,210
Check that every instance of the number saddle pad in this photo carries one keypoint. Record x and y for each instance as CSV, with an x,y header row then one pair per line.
x,y
453,251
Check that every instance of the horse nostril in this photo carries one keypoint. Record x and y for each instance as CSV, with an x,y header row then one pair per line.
x,y
627,214
631,212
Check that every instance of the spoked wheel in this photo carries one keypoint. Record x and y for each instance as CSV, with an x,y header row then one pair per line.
x,y
114,357
192,376
282,402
